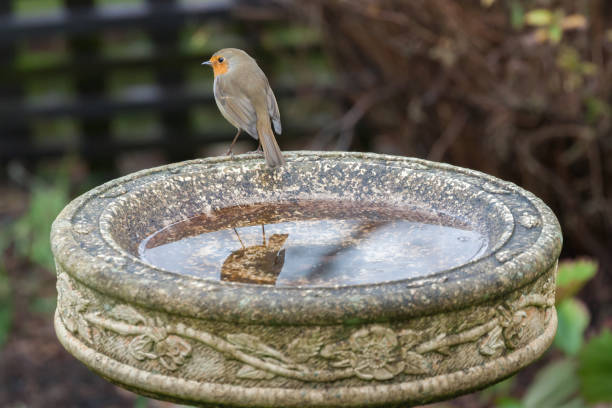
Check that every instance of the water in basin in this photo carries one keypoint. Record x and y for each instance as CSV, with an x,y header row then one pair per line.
x,y
313,243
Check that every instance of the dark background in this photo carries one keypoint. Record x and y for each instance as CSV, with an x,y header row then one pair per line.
x,y
94,89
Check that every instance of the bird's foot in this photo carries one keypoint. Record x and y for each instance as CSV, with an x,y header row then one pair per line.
x,y
259,150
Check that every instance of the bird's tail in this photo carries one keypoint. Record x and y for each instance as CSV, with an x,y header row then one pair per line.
x,y
272,152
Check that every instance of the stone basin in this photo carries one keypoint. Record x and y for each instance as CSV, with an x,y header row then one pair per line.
x,y
414,319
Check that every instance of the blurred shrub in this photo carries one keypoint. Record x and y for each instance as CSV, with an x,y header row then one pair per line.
x,y
582,374
595,369
572,276
6,305
518,89
30,233
572,381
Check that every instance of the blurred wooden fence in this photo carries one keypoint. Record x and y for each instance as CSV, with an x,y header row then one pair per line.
x,y
82,25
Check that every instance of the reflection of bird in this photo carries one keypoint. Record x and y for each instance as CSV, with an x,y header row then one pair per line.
x,y
246,100
257,263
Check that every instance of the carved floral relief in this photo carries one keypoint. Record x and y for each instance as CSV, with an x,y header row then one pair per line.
x,y
373,353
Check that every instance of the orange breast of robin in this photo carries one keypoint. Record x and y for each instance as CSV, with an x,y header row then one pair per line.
x,y
219,68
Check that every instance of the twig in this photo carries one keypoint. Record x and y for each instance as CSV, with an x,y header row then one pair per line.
x,y
346,124
449,136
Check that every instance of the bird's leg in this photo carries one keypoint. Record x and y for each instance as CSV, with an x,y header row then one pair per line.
x,y
229,151
243,247
263,234
259,150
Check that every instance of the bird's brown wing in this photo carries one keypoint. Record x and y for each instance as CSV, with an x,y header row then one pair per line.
x,y
237,109
273,110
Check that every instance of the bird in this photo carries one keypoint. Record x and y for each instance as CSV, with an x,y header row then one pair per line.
x,y
244,97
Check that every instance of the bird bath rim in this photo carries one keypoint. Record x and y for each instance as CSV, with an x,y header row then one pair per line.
x,y
505,268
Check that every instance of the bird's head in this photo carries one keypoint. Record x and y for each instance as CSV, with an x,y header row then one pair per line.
x,y
224,59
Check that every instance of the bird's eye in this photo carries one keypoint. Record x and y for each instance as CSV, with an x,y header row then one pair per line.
x,y
221,59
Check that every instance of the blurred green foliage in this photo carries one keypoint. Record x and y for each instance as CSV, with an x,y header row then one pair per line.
x,y
550,24
6,305
28,235
36,6
573,319
132,81
55,53
572,276
555,386
44,305
121,2
31,232
596,109
595,370
517,15
583,375
299,36
43,6
572,313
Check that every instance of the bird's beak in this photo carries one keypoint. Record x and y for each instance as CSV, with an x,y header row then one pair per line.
x,y
207,62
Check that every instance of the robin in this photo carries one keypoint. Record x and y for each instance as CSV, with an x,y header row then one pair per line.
x,y
245,99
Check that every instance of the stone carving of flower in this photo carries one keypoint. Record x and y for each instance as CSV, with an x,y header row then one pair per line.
x,y
375,353
512,323
141,347
172,351
513,330
72,307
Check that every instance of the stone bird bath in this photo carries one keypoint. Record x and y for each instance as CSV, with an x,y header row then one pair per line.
x,y
447,323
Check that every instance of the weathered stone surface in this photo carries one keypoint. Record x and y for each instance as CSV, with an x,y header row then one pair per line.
x,y
221,343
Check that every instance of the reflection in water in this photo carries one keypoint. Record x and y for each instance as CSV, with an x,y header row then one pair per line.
x,y
314,243
256,263
327,260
